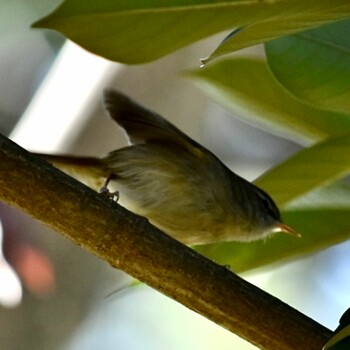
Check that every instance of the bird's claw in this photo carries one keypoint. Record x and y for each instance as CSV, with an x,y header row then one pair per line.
x,y
114,196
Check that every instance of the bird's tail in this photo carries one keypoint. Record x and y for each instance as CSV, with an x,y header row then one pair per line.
x,y
88,170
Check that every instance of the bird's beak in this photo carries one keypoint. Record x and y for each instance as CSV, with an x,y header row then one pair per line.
x,y
286,229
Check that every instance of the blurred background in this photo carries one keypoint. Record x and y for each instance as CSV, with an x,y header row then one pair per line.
x,y
54,295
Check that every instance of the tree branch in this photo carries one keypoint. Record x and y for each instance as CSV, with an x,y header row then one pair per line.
x,y
129,242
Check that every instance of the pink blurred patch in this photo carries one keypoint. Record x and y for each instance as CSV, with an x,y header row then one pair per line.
x,y
35,271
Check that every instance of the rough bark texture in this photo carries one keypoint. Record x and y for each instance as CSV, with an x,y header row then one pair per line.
x,y
130,243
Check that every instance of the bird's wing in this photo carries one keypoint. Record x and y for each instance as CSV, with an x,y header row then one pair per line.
x,y
142,125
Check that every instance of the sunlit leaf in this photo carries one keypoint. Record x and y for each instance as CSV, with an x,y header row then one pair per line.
x,y
314,13
336,196
307,170
315,65
247,87
143,30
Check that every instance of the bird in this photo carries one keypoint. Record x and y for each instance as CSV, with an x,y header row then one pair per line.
x,y
181,187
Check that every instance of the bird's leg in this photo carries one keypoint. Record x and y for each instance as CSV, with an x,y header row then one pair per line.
x,y
106,192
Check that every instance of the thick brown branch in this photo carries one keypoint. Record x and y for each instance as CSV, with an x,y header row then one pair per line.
x,y
130,243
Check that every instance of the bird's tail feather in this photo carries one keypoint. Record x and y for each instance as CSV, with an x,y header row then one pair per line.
x,y
88,170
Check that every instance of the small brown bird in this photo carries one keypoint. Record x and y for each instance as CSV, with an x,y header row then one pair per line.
x,y
180,186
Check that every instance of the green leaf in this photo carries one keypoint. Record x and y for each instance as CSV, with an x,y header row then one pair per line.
x,y
315,65
320,228
333,196
247,87
144,30
308,14
307,170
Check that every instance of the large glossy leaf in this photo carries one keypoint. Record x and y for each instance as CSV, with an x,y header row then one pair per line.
x,y
246,86
143,30
320,228
315,65
307,170
278,26
336,196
